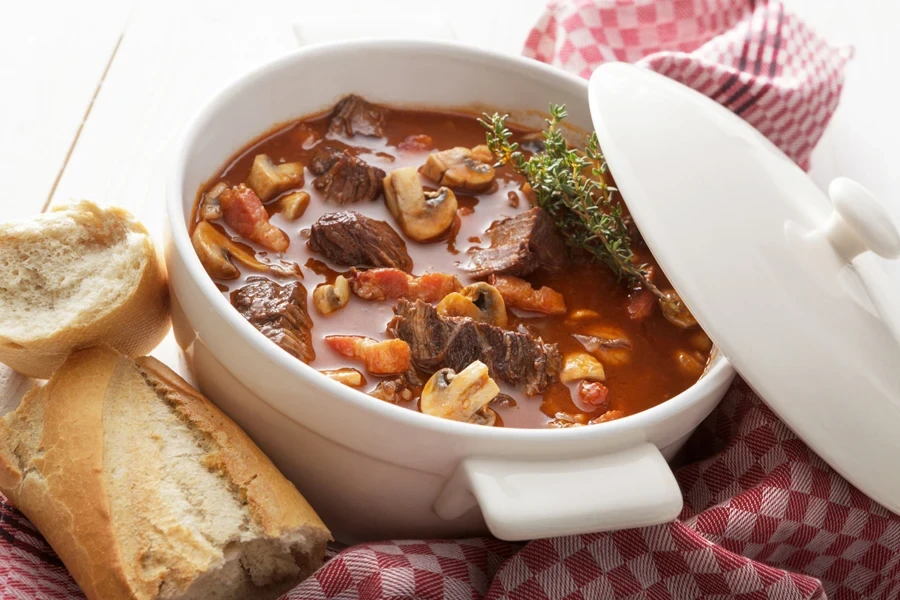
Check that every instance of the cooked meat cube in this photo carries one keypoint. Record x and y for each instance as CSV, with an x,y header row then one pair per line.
x,y
244,213
268,179
354,240
461,168
323,158
279,312
387,357
518,293
345,178
456,342
519,245
354,115
381,284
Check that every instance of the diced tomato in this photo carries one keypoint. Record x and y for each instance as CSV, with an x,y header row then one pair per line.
x,y
432,287
242,209
594,393
346,345
387,357
381,284
416,143
518,293
641,304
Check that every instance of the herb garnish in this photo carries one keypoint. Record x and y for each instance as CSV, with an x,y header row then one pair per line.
x,y
570,185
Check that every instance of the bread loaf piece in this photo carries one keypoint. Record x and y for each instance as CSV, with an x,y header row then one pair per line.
x,y
74,277
147,491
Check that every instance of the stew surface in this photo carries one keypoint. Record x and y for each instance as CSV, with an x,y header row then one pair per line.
x,y
645,359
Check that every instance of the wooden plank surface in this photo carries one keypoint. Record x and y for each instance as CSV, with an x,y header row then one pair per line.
x,y
53,58
173,57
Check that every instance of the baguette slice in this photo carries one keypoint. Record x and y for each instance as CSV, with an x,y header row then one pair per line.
x,y
74,277
147,491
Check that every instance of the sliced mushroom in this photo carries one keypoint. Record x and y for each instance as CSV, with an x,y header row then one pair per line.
x,y
293,205
210,209
689,364
216,250
459,396
580,315
346,375
610,344
422,215
479,301
700,341
675,312
329,298
461,168
487,416
387,357
581,365
268,179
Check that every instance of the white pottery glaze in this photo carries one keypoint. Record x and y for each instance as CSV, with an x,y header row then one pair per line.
x,y
374,470
790,283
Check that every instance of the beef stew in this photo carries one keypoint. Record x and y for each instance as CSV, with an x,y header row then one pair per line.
x,y
429,279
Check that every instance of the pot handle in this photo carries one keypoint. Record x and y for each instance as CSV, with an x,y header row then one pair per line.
x,y
528,499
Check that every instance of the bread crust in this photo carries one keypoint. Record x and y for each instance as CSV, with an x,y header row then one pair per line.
x,y
68,503
274,501
135,327
52,469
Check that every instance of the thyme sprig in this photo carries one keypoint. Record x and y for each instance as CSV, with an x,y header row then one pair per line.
x,y
570,185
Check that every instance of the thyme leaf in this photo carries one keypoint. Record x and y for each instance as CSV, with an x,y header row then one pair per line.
x,y
570,186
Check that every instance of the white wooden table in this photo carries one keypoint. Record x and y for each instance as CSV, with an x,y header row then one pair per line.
x,y
94,93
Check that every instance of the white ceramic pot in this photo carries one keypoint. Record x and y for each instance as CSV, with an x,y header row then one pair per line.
x,y
371,469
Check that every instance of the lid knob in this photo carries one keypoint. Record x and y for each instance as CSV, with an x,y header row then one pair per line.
x,y
859,222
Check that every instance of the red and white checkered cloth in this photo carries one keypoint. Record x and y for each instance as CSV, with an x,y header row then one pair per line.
x,y
755,57
764,518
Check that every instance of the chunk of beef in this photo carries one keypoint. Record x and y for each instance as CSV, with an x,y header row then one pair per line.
x,y
279,312
437,342
519,245
323,159
344,178
354,115
354,240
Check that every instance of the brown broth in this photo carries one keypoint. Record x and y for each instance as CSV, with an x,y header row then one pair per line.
x,y
652,374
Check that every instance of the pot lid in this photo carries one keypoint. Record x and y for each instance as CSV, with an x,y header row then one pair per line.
x,y
784,280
